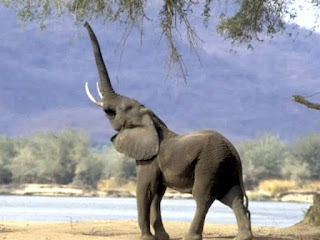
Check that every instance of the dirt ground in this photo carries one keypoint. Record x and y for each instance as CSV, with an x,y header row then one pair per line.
x,y
128,230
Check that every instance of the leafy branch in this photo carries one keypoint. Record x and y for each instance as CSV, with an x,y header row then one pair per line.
x,y
251,20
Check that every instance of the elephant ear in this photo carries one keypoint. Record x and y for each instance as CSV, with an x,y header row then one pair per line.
x,y
140,142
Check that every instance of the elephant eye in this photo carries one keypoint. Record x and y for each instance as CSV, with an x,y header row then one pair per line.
x,y
128,108
110,112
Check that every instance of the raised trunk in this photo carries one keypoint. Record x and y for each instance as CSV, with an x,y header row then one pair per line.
x,y
106,87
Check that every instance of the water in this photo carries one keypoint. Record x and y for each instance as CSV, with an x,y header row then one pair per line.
x,y
65,209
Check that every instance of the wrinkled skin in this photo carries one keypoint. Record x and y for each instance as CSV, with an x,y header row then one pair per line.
x,y
203,163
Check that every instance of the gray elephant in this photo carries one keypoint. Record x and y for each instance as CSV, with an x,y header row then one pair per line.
x,y
203,163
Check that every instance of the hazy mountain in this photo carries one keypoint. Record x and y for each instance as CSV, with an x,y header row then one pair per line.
x,y
240,94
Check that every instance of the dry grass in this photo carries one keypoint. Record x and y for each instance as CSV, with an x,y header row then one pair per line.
x,y
111,184
266,189
311,186
276,186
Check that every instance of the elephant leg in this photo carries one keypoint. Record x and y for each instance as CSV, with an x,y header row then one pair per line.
x,y
145,193
204,200
156,220
143,204
196,228
234,199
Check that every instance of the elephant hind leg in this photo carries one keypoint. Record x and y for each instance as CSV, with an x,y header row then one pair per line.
x,y
204,198
234,200
202,206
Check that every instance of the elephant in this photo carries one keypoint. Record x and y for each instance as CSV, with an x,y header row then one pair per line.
x,y
203,163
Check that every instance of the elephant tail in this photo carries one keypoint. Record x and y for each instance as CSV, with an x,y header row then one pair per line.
x,y
246,204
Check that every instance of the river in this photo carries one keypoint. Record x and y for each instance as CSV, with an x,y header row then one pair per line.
x,y
65,209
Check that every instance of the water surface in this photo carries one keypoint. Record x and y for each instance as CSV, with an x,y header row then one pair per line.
x,y
65,209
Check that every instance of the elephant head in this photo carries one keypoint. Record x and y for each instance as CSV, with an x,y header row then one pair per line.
x,y
137,135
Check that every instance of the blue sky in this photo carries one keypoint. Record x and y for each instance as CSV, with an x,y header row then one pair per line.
x,y
241,94
306,14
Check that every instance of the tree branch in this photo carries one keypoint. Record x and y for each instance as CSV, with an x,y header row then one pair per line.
x,y
302,100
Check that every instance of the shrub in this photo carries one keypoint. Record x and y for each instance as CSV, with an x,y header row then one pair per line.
x,y
108,168
89,171
67,157
263,158
49,158
119,166
295,170
74,148
7,152
24,166
307,154
61,158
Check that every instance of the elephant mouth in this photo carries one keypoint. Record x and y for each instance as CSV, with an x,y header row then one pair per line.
x,y
113,137
130,125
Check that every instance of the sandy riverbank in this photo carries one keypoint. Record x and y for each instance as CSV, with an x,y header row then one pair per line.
x,y
67,190
128,230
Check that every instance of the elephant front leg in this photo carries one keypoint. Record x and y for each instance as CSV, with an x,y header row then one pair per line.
x,y
156,220
144,202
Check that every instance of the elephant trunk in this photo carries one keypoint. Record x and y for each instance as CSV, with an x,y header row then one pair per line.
x,y
105,83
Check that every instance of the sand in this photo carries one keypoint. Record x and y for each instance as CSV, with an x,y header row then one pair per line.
x,y
128,230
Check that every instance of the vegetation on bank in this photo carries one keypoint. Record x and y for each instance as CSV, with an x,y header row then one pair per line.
x,y
68,158
62,158
269,157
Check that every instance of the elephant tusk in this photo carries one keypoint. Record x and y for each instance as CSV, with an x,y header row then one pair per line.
x,y
99,91
100,104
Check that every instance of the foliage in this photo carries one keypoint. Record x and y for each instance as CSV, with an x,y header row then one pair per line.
x,y
63,158
24,166
263,158
103,164
269,157
307,153
90,171
247,20
255,17
120,167
67,158
296,170
49,158
7,152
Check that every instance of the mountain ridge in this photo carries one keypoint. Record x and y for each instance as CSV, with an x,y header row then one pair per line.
x,y
241,94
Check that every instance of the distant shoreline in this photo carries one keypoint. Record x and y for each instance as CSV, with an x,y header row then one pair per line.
x,y
72,191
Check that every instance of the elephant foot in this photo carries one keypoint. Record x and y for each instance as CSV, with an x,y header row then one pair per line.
x,y
162,236
147,237
244,235
190,236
